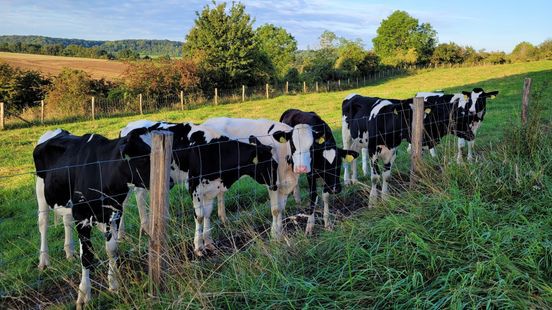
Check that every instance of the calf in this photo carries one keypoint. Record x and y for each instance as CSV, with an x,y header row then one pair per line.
x,y
85,178
325,164
290,148
468,110
208,163
378,125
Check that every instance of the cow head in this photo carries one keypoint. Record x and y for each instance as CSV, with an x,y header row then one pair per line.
x,y
327,162
477,102
300,139
135,147
262,166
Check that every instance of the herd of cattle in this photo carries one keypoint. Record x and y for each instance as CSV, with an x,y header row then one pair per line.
x,y
88,179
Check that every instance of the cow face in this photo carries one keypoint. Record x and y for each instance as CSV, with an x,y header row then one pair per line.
x,y
477,101
300,140
265,168
328,162
136,149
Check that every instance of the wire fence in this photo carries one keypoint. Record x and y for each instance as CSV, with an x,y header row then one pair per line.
x,y
246,200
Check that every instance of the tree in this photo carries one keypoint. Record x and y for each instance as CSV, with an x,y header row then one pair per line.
x,y
524,51
350,56
402,40
448,53
21,89
370,63
69,93
224,46
279,46
545,49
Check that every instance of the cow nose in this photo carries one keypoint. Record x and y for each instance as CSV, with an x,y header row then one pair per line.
x,y
301,169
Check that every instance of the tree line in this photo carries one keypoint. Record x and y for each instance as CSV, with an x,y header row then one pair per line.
x,y
118,49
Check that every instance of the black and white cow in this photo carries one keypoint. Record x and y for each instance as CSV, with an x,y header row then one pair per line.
x,y
85,178
209,163
469,109
379,125
290,148
325,164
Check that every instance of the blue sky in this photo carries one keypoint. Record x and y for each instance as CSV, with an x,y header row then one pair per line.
x,y
493,25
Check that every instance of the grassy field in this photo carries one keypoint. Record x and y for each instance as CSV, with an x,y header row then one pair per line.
x,y
473,235
52,65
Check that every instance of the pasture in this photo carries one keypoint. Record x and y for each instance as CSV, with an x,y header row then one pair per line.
x,y
473,235
52,65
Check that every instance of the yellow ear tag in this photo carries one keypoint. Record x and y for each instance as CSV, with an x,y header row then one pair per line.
x,y
465,97
283,140
493,96
394,111
255,160
427,111
321,140
349,158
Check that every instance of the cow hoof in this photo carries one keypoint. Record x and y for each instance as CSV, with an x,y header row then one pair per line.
x,y
329,227
198,253
42,267
43,262
210,246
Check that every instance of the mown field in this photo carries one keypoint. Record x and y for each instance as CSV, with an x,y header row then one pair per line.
x,y
473,235
52,65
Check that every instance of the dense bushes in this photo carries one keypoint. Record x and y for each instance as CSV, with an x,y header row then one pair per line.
x,y
21,89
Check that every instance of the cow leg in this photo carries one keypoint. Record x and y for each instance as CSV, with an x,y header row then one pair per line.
x,y
199,216
142,203
461,143
282,199
122,232
432,152
43,209
297,194
111,237
365,168
388,156
326,199
275,210
470,149
354,172
221,210
68,229
207,240
347,141
374,178
87,262
312,203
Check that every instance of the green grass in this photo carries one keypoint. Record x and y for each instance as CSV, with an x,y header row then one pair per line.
x,y
472,236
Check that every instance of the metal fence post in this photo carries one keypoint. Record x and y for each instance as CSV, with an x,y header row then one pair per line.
x,y
417,134
525,100
161,156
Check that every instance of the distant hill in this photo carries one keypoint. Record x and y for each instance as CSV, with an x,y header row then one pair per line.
x,y
143,47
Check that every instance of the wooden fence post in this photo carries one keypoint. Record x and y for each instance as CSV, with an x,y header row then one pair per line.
x,y
2,116
348,82
339,84
328,82
93,107
304,86
160,162
267,91
243,93
316,86
182,100
364,80
525,100
357,82
216,96
287,87
42,111
140,102
417,130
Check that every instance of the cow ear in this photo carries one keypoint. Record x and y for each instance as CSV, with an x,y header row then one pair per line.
x,y
253,140
492,94
347,155
282,136
466,94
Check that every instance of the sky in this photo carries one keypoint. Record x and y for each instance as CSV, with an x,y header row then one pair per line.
x,y
492,25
